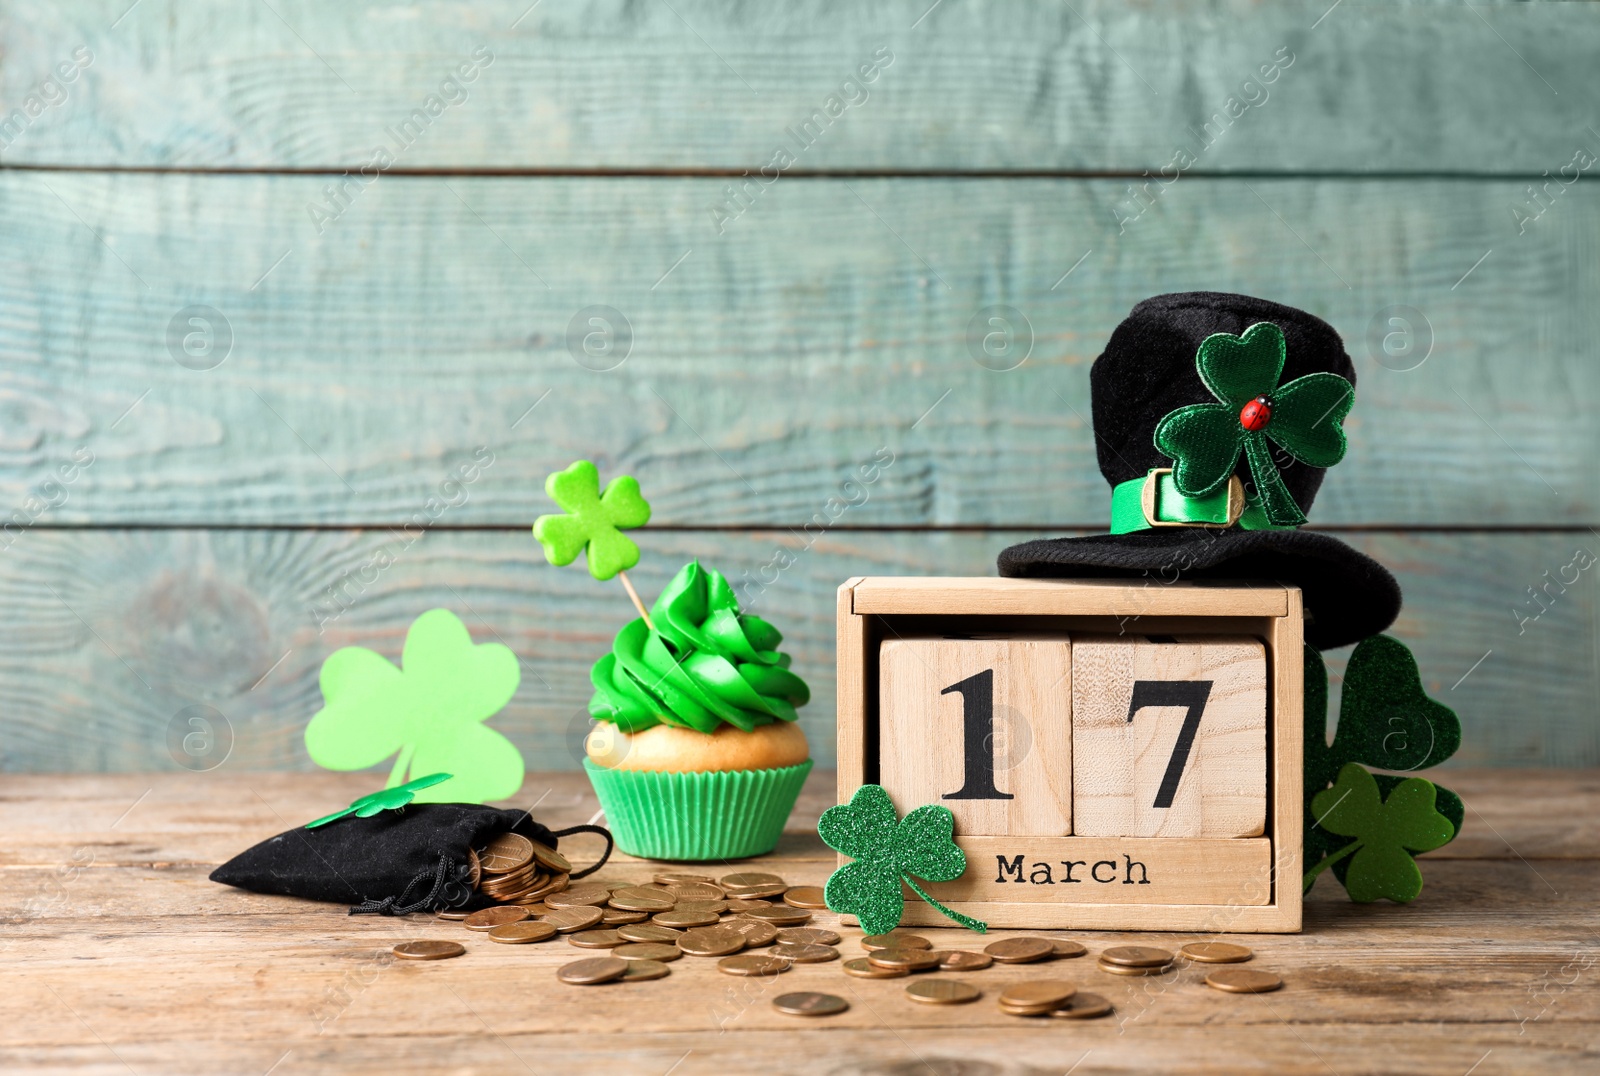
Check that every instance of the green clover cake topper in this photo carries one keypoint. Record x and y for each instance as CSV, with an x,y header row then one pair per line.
x,y
1369,827
1302,417
429,716
385,799
594,520
889,851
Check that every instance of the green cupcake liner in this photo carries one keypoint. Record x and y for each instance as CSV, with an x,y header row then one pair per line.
x,y
694,817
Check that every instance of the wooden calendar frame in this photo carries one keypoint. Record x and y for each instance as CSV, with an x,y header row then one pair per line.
x,y
872,609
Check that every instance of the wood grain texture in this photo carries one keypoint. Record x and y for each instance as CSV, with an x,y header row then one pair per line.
x,y
825,330
1135,772
142,963
110,634
711,84
1024,748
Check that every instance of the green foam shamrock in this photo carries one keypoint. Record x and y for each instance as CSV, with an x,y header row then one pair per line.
x,y
1386,721
593,520
1302,417
432,714
387,799
1388,832
888,851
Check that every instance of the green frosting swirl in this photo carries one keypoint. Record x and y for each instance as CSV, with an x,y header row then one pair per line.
x,y
704,664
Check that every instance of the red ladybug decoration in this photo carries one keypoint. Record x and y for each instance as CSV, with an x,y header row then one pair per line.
x,y
1256,414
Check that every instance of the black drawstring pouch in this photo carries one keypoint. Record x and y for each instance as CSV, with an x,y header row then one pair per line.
x,y
393,863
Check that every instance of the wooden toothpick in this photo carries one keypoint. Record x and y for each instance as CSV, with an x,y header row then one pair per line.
x,y
637,604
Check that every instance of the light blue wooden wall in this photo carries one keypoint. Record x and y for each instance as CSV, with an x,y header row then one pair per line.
x,y
187,531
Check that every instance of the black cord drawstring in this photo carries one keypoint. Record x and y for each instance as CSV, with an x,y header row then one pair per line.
x,y
606,833
396,905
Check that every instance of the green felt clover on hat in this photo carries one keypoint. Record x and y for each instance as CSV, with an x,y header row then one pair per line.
x,y
1301,417
593,520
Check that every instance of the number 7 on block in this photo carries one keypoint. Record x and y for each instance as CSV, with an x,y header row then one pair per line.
x,y
1169,736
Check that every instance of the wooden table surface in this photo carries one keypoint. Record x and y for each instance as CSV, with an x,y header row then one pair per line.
x,y
120,956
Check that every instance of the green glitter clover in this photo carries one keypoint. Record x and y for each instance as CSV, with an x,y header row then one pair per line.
x,y
1302,417
594,520
385,799
1388,832
888,851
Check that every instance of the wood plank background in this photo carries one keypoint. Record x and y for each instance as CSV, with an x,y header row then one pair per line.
x,y
378,339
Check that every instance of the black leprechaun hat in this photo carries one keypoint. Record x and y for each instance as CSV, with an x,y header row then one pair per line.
x,y
1215,418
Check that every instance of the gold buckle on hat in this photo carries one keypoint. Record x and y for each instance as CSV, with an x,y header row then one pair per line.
x,y
1147,502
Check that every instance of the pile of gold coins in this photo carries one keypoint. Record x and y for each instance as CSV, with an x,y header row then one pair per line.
x,y
637,930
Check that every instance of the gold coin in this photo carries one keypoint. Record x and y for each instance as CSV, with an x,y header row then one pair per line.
x,y
748,879
909,959
805,954
752,964
1020,950
535,908
1216,953
862,968
649,932
474,869
1037,994
805,896
571,920
1082,1006
681,919
1125,969
738,905
942,992
637,900
550,857
895,940
809,1003
594,939
808,936
1066,947
643,970
710,942
780,916
550,888
1136,956
591,895
672,878
616,917
452,915
506,853
489,918
599,969
1011,1010
695,891
754,932
1243,981
755,892
428,950
963,960
715,907
529,930
647,951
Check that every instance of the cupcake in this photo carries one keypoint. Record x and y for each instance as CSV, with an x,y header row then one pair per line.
x,y
696,754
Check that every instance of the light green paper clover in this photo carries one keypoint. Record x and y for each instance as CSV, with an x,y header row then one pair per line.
x,y
594,520
431,714
1388,832
387,799
888,851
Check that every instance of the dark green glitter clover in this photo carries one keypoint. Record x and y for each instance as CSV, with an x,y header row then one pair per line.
x,y
1364,826
889,851
385,799
1302,417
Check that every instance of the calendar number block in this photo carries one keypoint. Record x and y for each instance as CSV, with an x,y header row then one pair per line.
x,y
1169,736
981,726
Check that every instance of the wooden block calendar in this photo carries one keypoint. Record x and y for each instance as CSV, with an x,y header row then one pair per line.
x,y
1116,754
